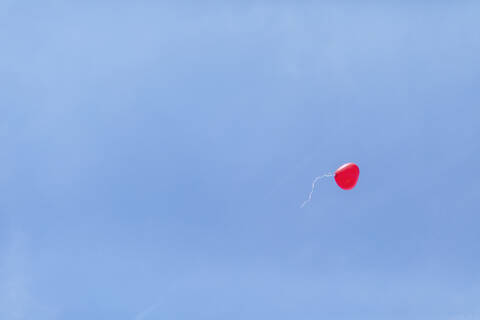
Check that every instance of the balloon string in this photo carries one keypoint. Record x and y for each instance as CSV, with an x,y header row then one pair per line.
x,y
313,187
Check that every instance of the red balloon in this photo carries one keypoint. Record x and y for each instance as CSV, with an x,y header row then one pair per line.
x,y
347,176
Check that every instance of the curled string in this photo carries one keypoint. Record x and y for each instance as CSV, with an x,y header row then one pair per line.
x,y
313,187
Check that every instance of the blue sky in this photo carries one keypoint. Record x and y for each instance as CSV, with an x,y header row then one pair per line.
x,y
154,157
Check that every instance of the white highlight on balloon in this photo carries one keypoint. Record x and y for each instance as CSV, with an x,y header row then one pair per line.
x,y
313,187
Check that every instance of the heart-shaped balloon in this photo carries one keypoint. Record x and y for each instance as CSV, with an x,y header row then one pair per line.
x,y
347,176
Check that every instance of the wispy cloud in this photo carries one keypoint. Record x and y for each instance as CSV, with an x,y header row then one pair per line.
x,y
145,313
16,298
